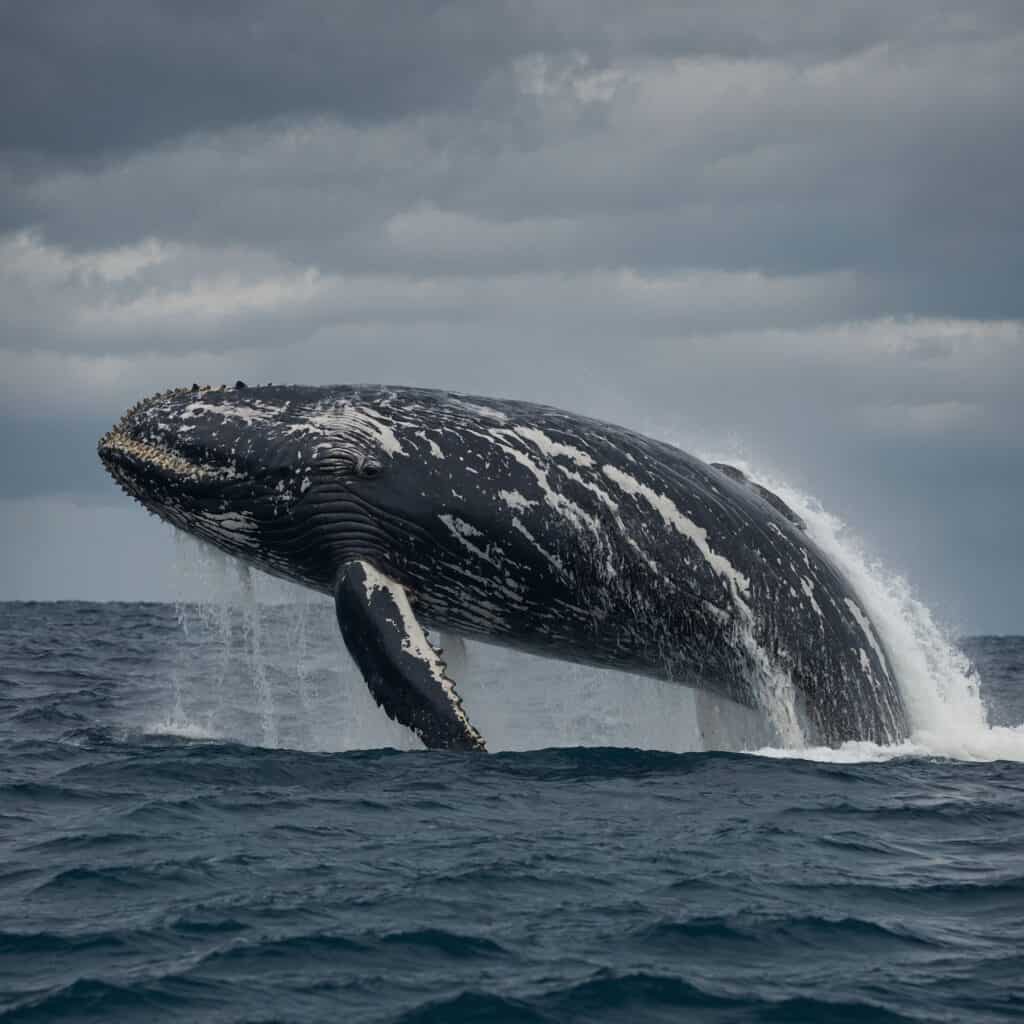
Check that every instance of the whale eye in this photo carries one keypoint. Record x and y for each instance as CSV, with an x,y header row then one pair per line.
x,y
368,467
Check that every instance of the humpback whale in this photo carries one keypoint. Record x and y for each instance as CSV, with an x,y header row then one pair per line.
x,y
515,524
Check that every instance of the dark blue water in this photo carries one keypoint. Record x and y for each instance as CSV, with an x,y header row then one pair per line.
x,y
152,877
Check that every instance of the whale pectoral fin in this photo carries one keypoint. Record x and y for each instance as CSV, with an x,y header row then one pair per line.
x,y
405,674
770,496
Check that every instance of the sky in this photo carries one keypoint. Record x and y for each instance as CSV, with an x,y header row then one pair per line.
x,y
789,232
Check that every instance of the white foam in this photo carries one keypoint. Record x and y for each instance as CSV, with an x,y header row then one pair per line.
x,y
994,743
183,727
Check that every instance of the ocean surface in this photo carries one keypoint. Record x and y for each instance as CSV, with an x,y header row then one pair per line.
x,y
203,817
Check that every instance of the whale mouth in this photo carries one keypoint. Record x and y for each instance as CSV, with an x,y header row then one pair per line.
x,y
136,462
119,450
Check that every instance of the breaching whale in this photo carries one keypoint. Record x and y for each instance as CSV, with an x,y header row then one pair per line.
x,y
514,524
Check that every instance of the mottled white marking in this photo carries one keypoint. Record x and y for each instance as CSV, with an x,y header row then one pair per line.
x,y
670,515
589,485
865,662
648,561
551,448
477,409
716,613
808,588
552,497
555,561
256,412
459,526
435,448
230,522
358,421
865,624
463,532
516,501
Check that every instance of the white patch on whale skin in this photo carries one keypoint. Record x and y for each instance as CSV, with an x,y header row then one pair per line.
x,y
808,588
464,533
551,448
459,527
477,409
233,522
347,419
671,516
865,624
247,413
717,613
552,497
555,561
233,530
516,501
646,558
865,662
435,448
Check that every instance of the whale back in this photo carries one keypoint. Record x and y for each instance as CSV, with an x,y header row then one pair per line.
x,y
570,537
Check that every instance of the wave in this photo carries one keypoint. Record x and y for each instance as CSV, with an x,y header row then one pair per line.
x,y
643,996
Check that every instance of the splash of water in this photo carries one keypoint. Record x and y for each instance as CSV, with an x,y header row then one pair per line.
x,y
940,688
262,662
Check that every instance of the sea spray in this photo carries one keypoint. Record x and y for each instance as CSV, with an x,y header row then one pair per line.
x,y
252,641
261,661
940,688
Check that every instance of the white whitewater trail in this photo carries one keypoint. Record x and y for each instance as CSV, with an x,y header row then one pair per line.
x,y
283,678
940,689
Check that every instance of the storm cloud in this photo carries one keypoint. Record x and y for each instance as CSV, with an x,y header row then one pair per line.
x,y
786,229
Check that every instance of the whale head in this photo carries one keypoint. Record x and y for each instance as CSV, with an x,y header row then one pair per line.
x,y
292,480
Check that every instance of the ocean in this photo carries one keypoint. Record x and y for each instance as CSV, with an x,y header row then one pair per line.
x,y
204,817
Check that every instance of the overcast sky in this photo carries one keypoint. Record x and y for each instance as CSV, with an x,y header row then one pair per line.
x,y
784,229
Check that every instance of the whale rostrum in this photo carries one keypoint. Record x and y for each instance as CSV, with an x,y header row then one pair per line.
x,y
515,524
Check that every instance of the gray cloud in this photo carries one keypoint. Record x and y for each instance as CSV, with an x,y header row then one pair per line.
x,y
786,228
900,162
119,75
122,74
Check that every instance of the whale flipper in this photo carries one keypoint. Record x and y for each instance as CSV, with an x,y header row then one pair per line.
x,y
405,674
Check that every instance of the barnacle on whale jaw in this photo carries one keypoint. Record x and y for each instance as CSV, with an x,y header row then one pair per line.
x,y
118,449
129,458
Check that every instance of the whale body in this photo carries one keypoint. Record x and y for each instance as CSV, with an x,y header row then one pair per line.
x,y
515,524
